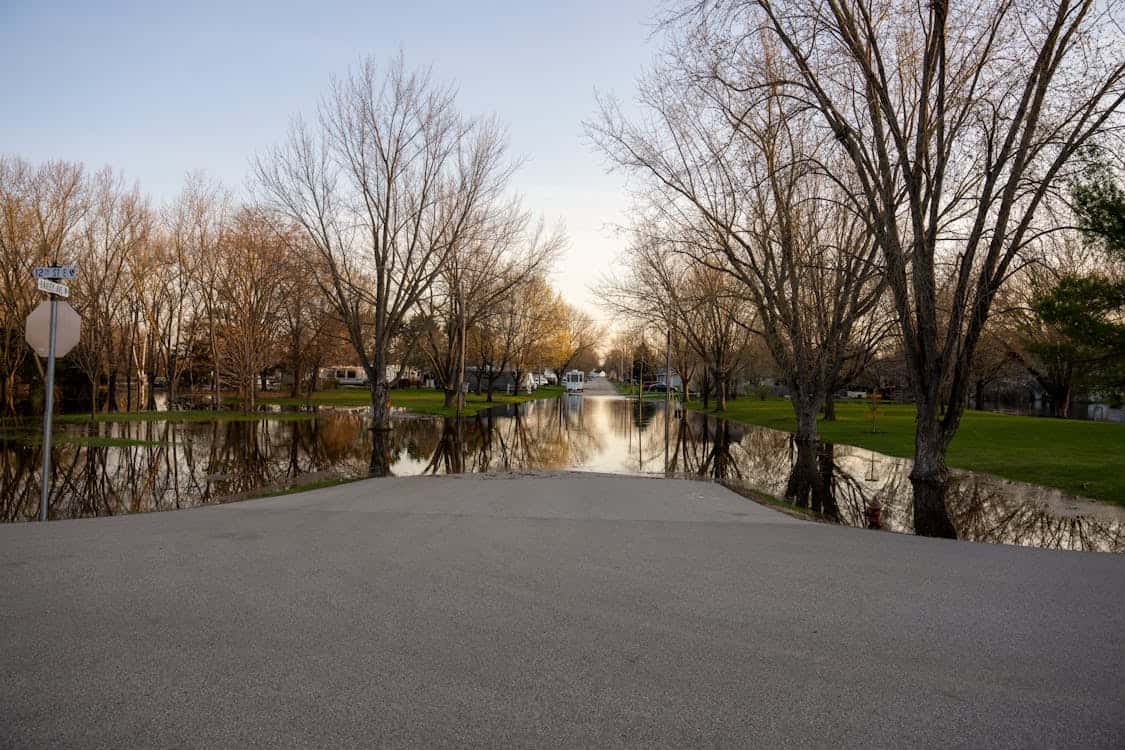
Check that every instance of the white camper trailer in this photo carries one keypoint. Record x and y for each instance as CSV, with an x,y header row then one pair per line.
x,y
575,381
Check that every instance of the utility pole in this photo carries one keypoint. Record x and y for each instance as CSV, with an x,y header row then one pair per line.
x,y
667,390
641,375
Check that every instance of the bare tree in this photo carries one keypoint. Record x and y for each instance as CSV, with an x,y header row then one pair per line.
x,y
250,295
199,219
958,121
385,189
40,210
116,227
503,252
574,336
742,191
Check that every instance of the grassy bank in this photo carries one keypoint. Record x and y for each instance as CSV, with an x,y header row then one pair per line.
x,y
1083,458
415,400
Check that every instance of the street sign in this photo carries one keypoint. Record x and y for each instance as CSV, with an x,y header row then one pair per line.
x,y
55,272
52,329
51,287
68,329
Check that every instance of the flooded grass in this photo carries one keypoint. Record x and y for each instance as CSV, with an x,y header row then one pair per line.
x,y
1079,457
194,415
34,438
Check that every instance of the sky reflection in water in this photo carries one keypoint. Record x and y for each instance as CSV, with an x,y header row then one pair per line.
x,y
190,463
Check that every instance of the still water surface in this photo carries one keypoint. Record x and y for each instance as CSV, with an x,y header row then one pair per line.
x,y
183,464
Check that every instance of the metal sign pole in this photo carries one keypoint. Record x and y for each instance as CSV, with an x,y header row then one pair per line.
x,y
48,410
667,392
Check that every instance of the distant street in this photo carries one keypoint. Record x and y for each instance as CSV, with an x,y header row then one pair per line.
x,y
600,387
546,611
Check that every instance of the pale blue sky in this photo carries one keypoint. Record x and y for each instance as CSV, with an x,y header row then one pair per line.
x,y
157,89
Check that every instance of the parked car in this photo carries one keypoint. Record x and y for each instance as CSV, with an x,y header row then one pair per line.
x,y
661,388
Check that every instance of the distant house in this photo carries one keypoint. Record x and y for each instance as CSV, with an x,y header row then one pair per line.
x,y
344,375
355,375
661,378
401,375
504,382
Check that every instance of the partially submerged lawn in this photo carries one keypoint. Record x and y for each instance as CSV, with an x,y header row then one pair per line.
x,y
415,400
197,415
1080,457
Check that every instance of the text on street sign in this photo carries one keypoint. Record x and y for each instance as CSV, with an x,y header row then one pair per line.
x,y
55,272
51,287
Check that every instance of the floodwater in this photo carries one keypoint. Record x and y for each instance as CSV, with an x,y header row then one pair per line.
x,y
184,464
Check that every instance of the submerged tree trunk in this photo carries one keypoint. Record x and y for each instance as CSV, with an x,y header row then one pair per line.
x,y
807,486
930,476
380,464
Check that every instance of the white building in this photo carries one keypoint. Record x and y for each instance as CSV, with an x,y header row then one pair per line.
x,y
662,379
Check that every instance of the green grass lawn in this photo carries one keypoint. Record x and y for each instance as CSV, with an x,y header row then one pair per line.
x,y
1083,458
416,400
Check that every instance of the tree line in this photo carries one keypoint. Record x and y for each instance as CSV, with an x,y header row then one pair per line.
x,y
386,232
854,182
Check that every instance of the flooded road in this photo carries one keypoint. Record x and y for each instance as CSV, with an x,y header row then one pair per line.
x,y
170,465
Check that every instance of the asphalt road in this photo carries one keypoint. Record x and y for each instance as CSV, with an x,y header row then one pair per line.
x,y
546,611
599,387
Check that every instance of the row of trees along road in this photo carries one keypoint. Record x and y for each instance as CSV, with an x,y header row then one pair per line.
x,y
203,292
386,232
859,169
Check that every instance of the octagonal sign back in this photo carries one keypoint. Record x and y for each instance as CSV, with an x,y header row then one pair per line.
x,y
68,329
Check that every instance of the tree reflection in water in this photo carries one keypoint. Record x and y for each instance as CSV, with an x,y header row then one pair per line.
x,y
177,465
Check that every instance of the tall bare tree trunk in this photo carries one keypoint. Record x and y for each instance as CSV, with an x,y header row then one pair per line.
x,y
380,404
829,408
930,475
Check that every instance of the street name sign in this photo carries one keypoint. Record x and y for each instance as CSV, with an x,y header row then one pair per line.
x,y
55,272
52,287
